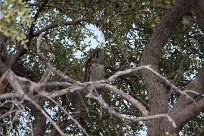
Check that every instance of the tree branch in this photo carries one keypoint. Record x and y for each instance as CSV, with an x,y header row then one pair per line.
x,y
111,111
22,50
64,110
192,108
53,25
2,42
200,14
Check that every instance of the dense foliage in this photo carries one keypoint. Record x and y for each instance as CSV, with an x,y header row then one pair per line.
x,y
122,28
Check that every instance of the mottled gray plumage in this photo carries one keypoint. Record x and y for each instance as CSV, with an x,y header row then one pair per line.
x,y
94,68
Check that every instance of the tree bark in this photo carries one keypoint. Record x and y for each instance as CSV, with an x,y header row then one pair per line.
x,y
185,109
39,126
3,40
200,14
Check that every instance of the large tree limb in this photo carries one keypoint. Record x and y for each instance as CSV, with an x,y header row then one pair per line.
x,y
3,66
184,114
2,41
194,107
200,14
152,54
157,94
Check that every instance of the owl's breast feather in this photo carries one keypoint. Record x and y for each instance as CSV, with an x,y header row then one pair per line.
x,y
97,72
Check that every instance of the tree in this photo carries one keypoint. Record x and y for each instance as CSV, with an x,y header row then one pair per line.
x,y
154,67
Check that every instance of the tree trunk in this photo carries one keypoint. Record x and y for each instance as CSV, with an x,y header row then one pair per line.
x,y
160,127
39,126
157,93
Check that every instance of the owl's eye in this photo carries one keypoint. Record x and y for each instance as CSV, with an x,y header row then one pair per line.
x,y
96,55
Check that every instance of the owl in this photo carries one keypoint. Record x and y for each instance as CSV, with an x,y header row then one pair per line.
x,y
94,67
94,70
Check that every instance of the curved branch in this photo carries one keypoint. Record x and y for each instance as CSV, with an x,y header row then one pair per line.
x,y
186,113
41,7
112,111
129,98
193,107
53,25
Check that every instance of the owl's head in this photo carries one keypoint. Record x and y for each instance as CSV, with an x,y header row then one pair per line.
x,y
97,56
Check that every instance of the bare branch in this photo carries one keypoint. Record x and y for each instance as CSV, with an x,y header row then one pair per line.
x,y
63,91
8,113
121,116
14,83
39,53
172,85
46,75
128,71
55,84
53,25
129,98
63,76
9,96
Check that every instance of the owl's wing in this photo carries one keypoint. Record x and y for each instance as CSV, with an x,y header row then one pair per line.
x,y
87,70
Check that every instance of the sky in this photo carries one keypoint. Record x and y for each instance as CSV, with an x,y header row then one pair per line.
x,y
91,40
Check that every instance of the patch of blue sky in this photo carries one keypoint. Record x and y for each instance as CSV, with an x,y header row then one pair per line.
x,y
95,40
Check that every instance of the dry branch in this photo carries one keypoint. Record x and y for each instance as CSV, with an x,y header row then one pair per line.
x,y
103,104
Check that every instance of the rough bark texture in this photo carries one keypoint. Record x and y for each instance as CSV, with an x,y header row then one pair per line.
x,y
40,121
3,67
157,95
185,109
200,14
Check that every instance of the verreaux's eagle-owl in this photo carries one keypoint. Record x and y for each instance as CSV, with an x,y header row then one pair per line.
x,y
94,67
